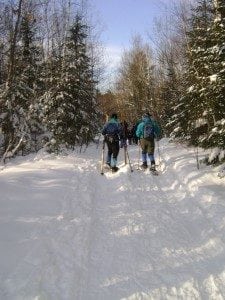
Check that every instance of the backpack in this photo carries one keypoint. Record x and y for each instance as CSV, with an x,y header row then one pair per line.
x,y
148,131
112,131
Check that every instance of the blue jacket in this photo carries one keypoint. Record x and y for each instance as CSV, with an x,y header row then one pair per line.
x,y
146,120
113,128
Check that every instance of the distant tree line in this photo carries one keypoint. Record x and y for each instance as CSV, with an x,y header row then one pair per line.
x,y
48,76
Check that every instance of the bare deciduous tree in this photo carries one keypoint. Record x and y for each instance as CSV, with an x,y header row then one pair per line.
x,y
135,84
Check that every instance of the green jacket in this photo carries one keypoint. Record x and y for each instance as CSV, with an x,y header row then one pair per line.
x,y
140,128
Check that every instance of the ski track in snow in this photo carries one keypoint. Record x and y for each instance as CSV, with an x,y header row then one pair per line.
x,y
69,233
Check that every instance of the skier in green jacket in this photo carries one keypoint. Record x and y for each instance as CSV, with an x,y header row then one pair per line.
x,y
147,131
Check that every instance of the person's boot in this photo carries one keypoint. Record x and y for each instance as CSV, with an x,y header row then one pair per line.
x,y
114,169
144,165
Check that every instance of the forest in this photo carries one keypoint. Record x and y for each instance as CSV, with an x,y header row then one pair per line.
x,y
51,71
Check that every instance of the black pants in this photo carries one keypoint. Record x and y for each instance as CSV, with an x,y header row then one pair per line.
x,y
113,151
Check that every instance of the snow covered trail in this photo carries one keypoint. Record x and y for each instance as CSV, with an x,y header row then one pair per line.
x,y
66,232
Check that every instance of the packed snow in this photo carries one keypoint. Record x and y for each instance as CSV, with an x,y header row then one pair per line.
x,y
69,233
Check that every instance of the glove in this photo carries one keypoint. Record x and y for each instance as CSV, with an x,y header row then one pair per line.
x,y
123,143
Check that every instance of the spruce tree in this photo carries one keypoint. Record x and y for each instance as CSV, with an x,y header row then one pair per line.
x,y
203,103
18,93
215,90
29,70
194,107
171,90
70,106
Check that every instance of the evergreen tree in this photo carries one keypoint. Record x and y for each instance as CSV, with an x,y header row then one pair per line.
x,y
18,93
215,89
171,93
70,106
30,62
193,110
202,107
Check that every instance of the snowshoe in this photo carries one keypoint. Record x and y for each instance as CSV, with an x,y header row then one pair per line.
x,y
221,174
114,169
154,172
107,166
144,166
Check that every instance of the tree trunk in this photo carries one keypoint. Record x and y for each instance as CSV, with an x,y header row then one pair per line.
x,y
13,45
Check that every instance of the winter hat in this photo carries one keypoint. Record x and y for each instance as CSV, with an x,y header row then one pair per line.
x,y
114,116
146,115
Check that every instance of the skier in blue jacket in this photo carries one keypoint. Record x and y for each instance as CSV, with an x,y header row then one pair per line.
x,y
113,133
147,131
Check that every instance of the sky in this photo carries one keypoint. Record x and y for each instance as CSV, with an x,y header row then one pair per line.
x,y
122,19
68,233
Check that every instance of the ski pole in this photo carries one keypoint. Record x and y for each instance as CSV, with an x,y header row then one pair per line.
x,y
102,157
197,160
139,154
131,169
159,154
125,154
98,141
